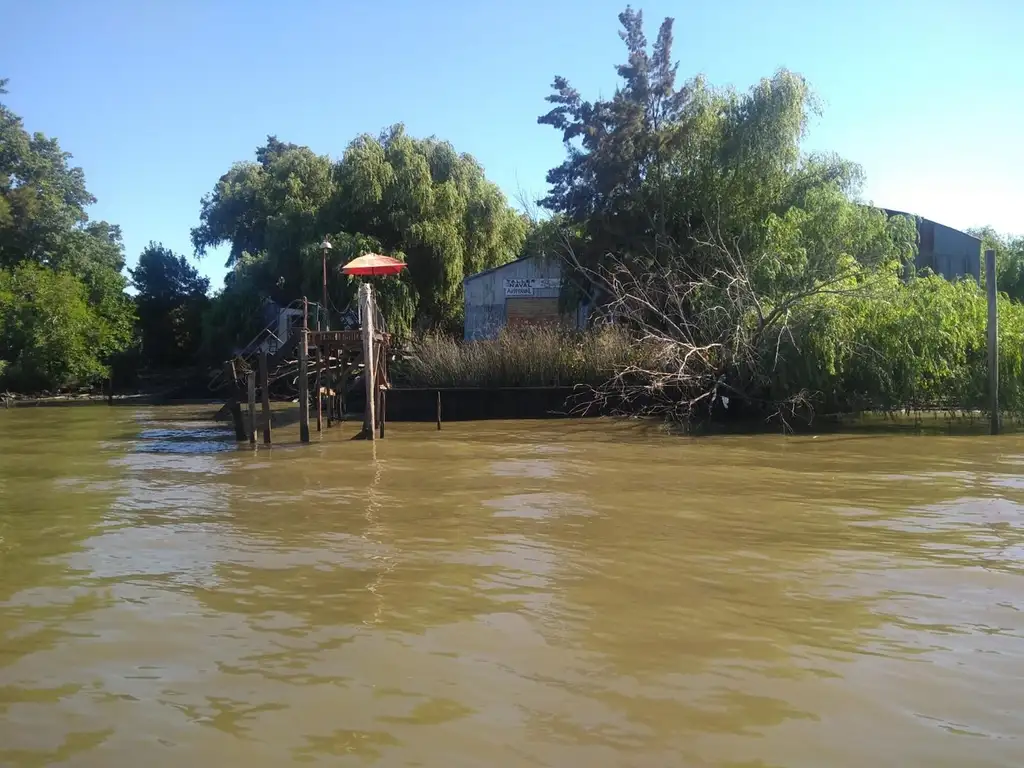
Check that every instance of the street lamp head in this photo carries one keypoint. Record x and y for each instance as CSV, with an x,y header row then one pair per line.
x,y
326,244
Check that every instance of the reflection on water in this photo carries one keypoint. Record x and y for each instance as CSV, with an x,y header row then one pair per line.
x,y
505,594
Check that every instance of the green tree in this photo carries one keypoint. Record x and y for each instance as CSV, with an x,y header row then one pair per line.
x,y
49,332
42,198
44,226
1009,260
662,164
171,301
421,198
702,226
415,199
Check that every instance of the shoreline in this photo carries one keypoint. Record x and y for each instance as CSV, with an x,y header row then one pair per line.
x,y
460,404
14,402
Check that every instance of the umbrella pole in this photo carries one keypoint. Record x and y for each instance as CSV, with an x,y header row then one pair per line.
x,y
369,370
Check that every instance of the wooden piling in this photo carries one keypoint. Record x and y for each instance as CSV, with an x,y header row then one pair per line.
x,y
236,418
342,383
328,382
265,395
383,409
993,338
251,383
319,386
304,385
336,399
439,410
366,312
234,403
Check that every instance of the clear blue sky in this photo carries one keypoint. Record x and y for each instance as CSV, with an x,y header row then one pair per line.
x,y
156,99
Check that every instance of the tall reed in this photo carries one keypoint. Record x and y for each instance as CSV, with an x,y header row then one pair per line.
x,y
528,357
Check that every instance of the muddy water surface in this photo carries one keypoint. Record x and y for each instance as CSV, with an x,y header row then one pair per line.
x,y
520,594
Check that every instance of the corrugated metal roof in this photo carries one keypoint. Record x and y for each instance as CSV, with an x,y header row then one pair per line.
x,y
894,212
500,267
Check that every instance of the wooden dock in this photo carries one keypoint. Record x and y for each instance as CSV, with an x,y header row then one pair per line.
x,y
337,360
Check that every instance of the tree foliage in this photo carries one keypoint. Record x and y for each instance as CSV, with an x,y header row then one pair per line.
x,y
51,336
916,344
416,199
171,300
65,313
1009,260
751,273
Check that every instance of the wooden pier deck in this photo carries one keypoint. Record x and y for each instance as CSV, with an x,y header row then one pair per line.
x,y
339,359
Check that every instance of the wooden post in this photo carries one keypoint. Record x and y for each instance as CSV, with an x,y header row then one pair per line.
x,y
342,382
265,395
234,405
236,417
993,338
319,386
438,410
251,382
328,379
336,400
304,385
383,409
369,371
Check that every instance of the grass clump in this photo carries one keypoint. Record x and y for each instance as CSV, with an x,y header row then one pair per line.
x,y
527,357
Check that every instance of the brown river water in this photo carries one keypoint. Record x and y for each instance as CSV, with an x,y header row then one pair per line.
x,y
505,594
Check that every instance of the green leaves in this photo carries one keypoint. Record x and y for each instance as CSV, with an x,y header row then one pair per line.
x,y
64,309
171,300
915,345
416,199
701,224
1009,260
52,337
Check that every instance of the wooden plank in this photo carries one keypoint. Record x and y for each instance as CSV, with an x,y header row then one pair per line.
x,y
265,395
304,386
345,339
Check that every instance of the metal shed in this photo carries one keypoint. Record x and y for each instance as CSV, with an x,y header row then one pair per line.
x,y
946,251
522,292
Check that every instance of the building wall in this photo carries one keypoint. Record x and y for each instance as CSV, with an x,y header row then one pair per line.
x,y
487,305
947,252
957,254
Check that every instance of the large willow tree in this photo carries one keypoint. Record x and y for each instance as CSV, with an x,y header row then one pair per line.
x,y
416,199
752,272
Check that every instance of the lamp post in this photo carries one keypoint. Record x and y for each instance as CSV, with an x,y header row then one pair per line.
x,y
325,246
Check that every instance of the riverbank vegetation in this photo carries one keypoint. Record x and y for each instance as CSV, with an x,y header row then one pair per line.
x,y
528,357
729,270
768,287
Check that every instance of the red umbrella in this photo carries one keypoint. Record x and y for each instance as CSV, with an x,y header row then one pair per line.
x,y
371,264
